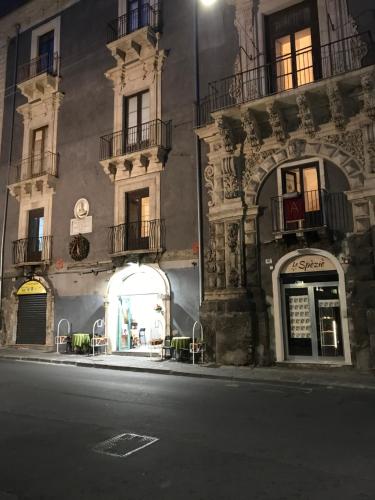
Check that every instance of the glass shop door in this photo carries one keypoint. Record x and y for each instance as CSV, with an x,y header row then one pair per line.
x,y
312,321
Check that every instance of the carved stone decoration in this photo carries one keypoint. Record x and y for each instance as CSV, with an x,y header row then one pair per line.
x,y
209,177
367,82
252,130
234,278
350,142
305,115
251,166
296,148
371,156
128,165
227,134
277,122
210,258
336,106
232,236
230,181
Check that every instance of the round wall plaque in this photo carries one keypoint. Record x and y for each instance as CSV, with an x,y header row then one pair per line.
x,y
81,208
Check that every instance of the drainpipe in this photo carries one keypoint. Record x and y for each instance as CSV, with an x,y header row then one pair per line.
x,y
5,214
198,156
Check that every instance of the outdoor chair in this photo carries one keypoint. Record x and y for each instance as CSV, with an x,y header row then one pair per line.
x,y
167,349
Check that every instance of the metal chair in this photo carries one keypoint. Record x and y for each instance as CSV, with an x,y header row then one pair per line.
x,y
167,348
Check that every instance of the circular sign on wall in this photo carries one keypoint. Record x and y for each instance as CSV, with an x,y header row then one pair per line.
x,y
81,208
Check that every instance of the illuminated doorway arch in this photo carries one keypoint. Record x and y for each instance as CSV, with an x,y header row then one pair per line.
x,y
138,298
281,354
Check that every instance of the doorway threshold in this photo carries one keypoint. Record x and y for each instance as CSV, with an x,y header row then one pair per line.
x,y
142,354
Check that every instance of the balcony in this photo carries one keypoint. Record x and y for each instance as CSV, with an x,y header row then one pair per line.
x,y
32,251
297,213
302,70
137,237
139,148
39,75
129,34
136,19
36,172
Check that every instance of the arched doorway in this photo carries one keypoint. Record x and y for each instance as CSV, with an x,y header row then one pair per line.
x,y
310,308
138,308
31,313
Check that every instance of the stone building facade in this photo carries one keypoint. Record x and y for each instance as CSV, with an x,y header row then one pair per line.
x,y
290,181
102,207
99,167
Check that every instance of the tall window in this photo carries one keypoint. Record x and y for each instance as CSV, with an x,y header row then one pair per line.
x,y
39,137
137,117
301,196
35,235
137,205
138,14
293,46
45,51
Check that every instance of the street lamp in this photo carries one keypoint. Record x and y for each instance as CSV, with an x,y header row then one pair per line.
x,y
198,153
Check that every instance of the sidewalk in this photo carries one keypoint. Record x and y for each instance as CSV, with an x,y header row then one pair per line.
x,y
328,377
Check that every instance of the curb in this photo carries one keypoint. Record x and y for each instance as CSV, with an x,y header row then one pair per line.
x,y
159,371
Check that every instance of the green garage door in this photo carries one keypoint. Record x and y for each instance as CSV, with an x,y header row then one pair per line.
x,y
31,320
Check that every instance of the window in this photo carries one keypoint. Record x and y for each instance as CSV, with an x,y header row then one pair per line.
x,y
38,151
293,47
46,51
137,206
138,14
301,197
35,235
137,117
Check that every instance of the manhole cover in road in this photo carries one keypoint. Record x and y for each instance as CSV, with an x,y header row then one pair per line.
x,y
124,445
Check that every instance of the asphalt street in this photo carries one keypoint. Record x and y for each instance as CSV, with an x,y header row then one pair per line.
x,y
215,439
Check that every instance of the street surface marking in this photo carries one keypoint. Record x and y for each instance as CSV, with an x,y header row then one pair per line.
x,y
124,445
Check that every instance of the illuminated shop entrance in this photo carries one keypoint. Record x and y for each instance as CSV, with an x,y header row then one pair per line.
x,y
138,309
311,311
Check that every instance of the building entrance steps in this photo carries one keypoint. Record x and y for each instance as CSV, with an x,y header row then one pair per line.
x,y
328,377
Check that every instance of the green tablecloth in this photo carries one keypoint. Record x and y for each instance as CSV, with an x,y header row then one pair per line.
x,y
180,342
80,340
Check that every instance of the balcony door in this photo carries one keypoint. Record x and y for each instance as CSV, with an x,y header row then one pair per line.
x,y
138,14
137,118
46,51
137,220
301,197
293,46
39,138
35,235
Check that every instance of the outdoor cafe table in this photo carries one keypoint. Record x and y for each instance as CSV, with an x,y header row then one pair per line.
x,y
80,340
180,343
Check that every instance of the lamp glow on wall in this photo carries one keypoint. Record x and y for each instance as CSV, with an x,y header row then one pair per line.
x,y
205,3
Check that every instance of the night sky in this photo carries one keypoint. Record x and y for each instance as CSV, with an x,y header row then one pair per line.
x,y
7,6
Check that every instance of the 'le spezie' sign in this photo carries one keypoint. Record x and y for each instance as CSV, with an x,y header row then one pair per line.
x,y
309,264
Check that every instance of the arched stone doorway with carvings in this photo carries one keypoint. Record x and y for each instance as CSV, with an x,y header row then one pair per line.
x,y
310,310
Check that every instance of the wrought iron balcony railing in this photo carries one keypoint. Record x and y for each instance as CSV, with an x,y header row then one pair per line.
x,y
46,63
144,136
32,250
35,166
287,72
140,235
132,21
311,210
